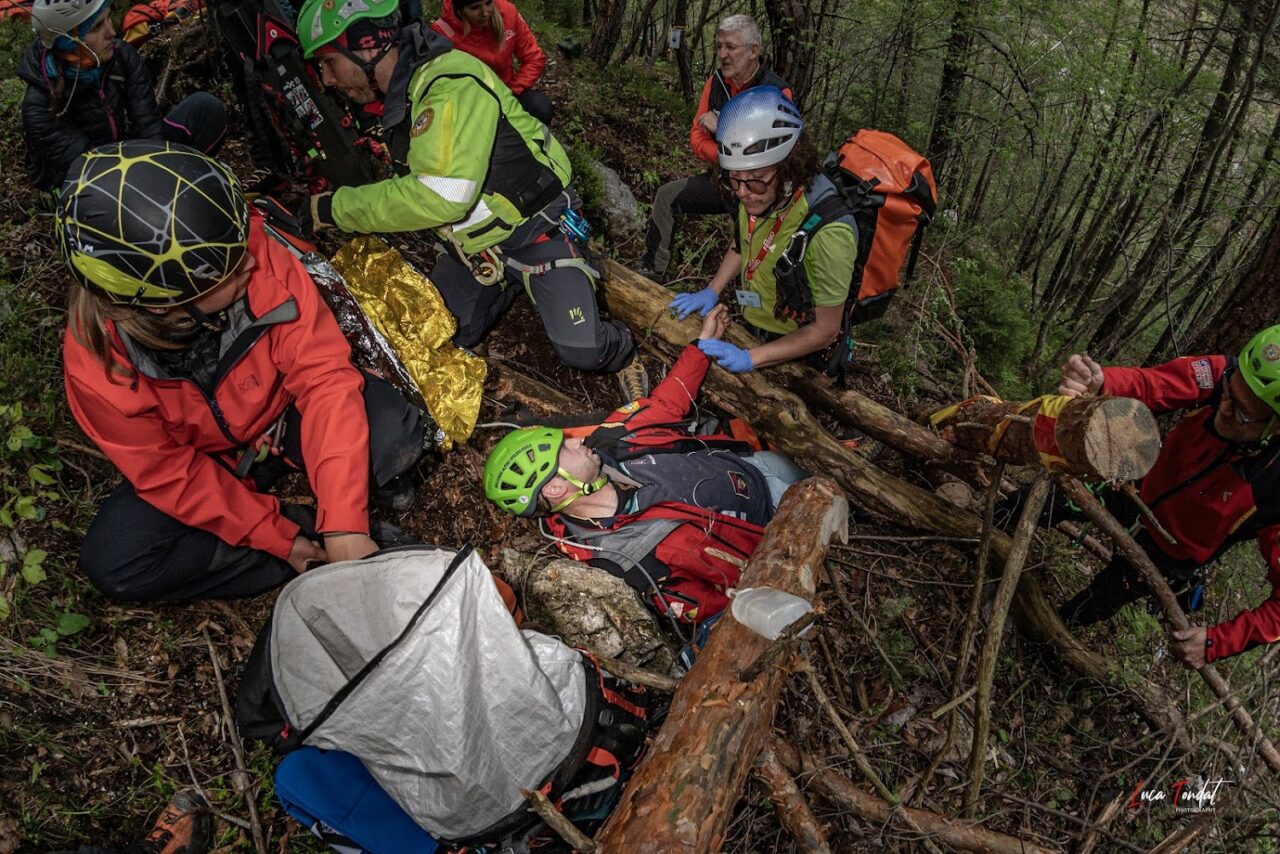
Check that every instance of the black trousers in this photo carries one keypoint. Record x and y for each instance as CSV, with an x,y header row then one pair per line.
x,y
697,194
198,120
537,105
1118,583
134,552
564,297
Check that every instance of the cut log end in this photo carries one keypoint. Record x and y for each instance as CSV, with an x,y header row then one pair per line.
x,y
1121,439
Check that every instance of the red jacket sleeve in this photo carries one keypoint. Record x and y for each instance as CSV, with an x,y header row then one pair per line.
x,y
703,143
532,59
673,397
327,389
1260,625
175,479
1179,384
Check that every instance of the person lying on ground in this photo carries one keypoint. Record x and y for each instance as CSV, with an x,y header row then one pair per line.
x,y
489,178
740,67
674,513
86,88
495,32
1214,485
773,169
200,358
185,826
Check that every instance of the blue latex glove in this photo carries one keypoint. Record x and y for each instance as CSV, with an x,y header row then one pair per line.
x,y
731,358
700,301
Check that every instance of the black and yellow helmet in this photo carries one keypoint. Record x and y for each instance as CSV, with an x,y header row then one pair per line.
x,y
151,223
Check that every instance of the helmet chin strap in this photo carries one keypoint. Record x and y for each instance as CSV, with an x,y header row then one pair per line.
x,y
368,66
580,490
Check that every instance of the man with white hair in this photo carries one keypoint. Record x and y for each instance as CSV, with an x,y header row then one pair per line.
x,y
739,66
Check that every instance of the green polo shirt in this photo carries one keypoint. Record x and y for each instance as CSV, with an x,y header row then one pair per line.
x,y
828,262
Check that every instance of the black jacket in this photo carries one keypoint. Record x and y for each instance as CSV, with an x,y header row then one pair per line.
x,y
720,94
121,104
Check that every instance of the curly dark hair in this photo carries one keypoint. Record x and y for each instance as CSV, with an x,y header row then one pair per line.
x,y
798,170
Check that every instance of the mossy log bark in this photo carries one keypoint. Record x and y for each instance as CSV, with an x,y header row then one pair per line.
x,y
682,795
783,420
1113,438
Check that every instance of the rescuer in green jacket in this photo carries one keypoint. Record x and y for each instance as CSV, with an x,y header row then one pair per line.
x,y
490,179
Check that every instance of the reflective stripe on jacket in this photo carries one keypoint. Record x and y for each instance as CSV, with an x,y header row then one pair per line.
x,y
473,161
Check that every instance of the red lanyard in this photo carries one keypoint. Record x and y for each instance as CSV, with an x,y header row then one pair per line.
x,y
773,233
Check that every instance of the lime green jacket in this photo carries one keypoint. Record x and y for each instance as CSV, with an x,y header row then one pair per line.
x,y
472,160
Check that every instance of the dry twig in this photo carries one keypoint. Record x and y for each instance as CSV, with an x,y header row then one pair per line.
x,y
241,775
557,822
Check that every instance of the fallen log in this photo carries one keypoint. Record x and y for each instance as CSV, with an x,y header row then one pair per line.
x,y
1142,562
789,804
842,792
1112,438
682,795
784,421
847,405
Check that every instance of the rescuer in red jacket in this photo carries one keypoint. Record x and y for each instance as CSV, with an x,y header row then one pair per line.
x,y
739,66
201,359
1215,483
494,32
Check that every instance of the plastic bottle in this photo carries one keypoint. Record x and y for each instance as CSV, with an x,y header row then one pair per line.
x,y
766,611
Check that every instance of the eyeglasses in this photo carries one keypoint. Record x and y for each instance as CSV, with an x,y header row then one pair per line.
x,y
753,185
732,48
1236,412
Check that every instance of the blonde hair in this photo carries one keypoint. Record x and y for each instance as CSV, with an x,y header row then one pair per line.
x,y
87,317
495,23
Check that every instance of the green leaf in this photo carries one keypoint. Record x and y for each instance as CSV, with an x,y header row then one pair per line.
x,y
6,517
39,477
19,437
70,623
26,508
33,566
5,610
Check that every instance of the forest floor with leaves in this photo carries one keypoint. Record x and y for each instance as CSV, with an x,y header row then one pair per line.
x,y
107,709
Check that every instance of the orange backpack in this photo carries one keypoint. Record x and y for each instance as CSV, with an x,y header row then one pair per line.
x,y
888,192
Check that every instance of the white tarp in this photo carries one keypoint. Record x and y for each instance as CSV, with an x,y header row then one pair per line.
x,y
463,712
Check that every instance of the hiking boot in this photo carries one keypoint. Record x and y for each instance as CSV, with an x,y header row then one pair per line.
x,y
388,536
634,381
862,445
395,495
1108,592
184,827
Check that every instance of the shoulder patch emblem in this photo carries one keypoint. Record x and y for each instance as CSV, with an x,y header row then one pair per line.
x,y
630,407
422,122
1271,352
1203,373
739,483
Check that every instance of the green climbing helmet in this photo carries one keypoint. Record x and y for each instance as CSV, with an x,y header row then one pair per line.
x,y
151,223
321,22
1260,366
520,465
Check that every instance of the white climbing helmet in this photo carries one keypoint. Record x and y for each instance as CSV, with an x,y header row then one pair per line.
x,y
757,128
53,18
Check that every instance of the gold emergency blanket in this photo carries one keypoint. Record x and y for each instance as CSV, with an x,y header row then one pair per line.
x,y
410,313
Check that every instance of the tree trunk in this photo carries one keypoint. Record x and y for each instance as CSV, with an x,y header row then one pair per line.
x,y
1111,438
1254,303
682,795
954,70
607,30
793,44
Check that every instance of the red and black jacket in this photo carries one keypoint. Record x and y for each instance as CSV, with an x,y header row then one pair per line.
x,y
692,554
1208,492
